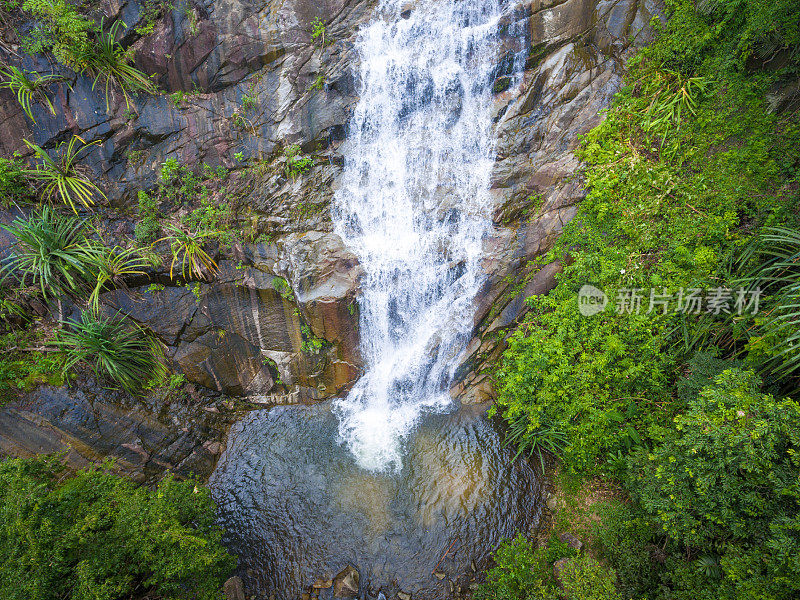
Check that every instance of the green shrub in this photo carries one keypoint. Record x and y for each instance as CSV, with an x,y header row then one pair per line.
x,y
148,226
584,578
519,573
724,36
21,368
702,370
212,217
725,465
296,163
98,536
76,43
669,199
318,31
151,12
283,288
725,475
60,29
14,186
522,573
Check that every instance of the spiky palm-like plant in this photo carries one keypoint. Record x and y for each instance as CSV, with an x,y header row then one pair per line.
x,y
770,338
779,277
546,438
50,251
116,348
111,266
187,248
108,62
26,89
63,178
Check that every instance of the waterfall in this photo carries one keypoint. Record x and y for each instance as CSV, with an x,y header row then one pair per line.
x,y
414,206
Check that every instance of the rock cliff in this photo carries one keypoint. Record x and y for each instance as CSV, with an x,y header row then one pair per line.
x,y
243,80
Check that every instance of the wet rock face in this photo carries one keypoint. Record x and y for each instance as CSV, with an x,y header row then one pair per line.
x,y
247,331
235,333
241,336
576,57
147,436
212,55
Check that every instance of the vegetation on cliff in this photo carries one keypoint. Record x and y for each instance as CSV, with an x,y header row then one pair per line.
x,y
92,534
693,185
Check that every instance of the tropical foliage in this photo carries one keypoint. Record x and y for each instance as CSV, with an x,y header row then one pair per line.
x,y
97,535
50,251
693,182
521,572
116,348
111,66
78,44
26,89
63,178
111,266
14,184
187,250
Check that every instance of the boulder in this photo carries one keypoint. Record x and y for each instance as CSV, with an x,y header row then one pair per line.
x,y
558,568
571,541
146,435
345,584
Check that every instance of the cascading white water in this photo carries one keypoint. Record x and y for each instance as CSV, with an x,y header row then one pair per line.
x,y
414,207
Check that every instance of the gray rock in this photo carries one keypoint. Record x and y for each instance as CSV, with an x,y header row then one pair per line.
x,y
571,541
146,435
234,588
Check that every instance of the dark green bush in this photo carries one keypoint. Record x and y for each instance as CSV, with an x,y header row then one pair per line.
x,y
518,574
14,184
583,578
96,536
726,473
522,573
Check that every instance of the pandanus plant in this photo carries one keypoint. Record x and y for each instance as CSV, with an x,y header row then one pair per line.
x,y
27,89
50,252
110,267
116,348
187,249
62,178
110,64
779,278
